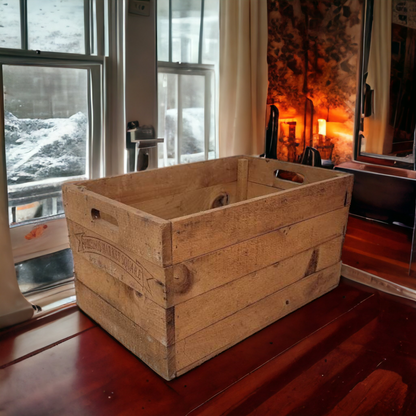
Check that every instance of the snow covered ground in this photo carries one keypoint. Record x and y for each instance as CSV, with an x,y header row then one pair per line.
x,y
192,141
44,149
192,131
39,149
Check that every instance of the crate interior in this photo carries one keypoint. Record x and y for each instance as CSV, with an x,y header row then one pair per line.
x,y
187,189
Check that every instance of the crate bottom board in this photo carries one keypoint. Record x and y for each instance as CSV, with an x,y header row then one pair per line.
x,y
156,355
177,359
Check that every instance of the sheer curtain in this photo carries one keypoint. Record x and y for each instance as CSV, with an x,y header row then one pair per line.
x,y
14,308
243,76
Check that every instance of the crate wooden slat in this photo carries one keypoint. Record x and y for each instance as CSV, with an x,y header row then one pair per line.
x,y
181,263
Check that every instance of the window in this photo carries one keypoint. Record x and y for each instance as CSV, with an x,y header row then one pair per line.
x,y
51,66
46,135
188,51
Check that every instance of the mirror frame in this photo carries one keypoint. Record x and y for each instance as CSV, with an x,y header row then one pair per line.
x,y
358,156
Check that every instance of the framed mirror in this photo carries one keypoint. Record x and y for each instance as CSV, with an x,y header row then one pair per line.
x,y
386,101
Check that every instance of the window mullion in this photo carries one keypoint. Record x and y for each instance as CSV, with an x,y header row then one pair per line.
x,y
179,122
207,113
92,26
23,24
87,25
170,30
96,146
165,142
100,13
201,32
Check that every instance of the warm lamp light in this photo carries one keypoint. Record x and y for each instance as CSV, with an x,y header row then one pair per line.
x,y
322,126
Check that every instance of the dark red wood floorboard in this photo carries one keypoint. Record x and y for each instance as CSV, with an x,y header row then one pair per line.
x,y
380,249
303,395
356,329
258,387
363,228
266,344
99,350
388,344
91,374
35,335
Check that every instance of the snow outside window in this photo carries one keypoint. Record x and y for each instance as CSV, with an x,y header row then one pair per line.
x,y
51,108
188,55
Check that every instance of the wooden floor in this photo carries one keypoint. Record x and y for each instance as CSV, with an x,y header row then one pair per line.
x,y
351,352
379,249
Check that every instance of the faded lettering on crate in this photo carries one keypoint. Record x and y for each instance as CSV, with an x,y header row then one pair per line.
x,y
111,259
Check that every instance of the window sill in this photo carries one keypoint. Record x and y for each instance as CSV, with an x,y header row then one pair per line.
x,y
52,300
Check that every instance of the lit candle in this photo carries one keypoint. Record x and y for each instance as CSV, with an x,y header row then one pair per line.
x,y
322,126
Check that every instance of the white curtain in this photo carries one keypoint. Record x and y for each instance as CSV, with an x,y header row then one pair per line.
x,y
14,308
243,76
377,131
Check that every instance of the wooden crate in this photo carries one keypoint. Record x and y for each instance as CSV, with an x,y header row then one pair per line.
x,y
177,281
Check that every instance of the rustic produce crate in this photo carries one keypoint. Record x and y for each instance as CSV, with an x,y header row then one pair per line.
x,y
181,263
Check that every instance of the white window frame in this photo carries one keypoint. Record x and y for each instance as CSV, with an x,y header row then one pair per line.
x,y
207,71
56,238
184,68
110,64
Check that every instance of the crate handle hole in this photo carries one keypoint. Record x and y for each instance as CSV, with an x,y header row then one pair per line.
x,y
220,201
286,175
104,218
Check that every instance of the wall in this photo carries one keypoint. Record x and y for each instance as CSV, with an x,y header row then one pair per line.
x,y
313,53
141,67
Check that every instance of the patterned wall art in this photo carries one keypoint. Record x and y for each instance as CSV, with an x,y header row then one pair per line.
x,y
313,53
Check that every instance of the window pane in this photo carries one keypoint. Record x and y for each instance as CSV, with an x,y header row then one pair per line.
x,y
192,90
44,271
168,118
163,30
186,18
185,111
210,44
55,25
10,24
46,125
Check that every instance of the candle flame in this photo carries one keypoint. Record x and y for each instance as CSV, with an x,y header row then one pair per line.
x,y
322,126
